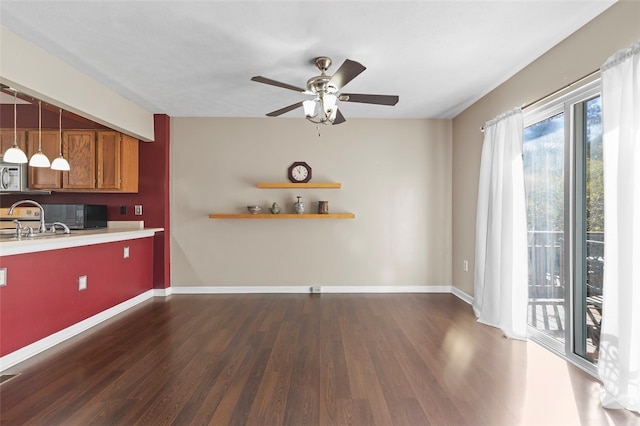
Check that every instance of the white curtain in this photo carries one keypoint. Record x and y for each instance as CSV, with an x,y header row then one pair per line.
x,y
619,361
500,275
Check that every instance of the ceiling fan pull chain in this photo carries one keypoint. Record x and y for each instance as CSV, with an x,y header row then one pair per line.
x,y
318,128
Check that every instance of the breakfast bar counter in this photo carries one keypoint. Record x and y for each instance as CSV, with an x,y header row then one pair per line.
x,y
54,285
12,246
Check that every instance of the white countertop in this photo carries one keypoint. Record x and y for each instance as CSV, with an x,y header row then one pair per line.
x,y
75,239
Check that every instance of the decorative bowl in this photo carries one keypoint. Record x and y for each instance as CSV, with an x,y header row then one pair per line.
x,y
254,209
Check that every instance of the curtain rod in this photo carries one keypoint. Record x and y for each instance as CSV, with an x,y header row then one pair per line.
x,y
545,97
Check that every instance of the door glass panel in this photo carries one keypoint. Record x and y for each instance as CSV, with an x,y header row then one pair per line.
x,y
543,155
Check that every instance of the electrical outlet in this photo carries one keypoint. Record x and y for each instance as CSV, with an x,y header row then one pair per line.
x,y
465,265
316,289
125,253
138,210
82,283
3,277
123,209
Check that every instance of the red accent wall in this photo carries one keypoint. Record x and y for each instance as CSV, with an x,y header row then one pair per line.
x,y
27,118
154,178
153,195
42,297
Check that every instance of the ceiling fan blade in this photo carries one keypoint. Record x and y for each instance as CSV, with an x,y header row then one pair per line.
x,y
370,99
347,72
284,110
265,80
339,118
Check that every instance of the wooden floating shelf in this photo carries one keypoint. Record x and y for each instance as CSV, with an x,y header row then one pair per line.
x,y
299,185
281,216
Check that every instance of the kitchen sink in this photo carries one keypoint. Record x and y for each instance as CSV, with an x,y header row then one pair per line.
x,y
6,236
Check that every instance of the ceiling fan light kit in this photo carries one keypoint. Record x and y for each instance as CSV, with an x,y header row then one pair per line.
x,y
323,108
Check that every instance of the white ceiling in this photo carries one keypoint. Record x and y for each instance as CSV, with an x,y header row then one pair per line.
x,y
195,59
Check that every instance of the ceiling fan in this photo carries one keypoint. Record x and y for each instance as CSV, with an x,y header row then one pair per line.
x,y
323,108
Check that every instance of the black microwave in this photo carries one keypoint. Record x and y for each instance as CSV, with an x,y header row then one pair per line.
x,y
76,216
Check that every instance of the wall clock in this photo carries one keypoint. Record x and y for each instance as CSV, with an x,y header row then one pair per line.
x,y
299,172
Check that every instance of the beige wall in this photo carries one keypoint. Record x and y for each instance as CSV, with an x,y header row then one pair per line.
x,y
395,175
580,54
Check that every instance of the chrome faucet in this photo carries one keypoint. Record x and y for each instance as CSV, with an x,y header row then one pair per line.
x,y
65,228
21,229
42,228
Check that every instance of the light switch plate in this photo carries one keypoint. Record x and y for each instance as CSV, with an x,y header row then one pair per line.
x,y
125,252
138,210
3,277
82,283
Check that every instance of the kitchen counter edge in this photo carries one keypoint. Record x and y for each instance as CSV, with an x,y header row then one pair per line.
x,y
76,239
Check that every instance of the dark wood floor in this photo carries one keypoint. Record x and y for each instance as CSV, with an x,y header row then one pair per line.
x,y
406,359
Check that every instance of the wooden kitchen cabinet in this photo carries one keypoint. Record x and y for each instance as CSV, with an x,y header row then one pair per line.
x,y
6,140
100,161
117,161
44,177
79,148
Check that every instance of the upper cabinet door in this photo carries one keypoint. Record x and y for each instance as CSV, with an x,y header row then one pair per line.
x,y
129,163
117,161
44,177
108,149
79,148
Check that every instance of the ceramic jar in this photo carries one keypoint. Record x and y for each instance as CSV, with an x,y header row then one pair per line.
x,y
323,207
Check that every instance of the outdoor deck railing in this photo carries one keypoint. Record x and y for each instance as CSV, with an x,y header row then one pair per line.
x,y
547,286
547,264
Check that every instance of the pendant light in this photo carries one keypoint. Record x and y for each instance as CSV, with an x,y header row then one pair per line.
x,y
39,159
15,154
60,163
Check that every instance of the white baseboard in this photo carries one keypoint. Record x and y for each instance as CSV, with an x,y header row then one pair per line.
x,y
387,289
306,289
162,292
41,345
462,295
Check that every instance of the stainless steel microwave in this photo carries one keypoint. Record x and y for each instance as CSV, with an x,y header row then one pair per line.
x,y
13,177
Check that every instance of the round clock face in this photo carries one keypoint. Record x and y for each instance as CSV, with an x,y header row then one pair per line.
x,y
299,172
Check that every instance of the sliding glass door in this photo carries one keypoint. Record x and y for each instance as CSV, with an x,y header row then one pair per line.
x,y
562,155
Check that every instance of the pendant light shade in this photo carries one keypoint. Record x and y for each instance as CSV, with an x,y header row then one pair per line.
x,y
60,163
39,159
15,154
